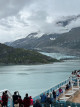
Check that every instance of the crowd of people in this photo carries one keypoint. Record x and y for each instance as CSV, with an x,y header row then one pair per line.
x,y
27,101
17,100
76,72
49,98
45,99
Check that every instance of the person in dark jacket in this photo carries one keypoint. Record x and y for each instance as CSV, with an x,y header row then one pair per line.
x,y
43,98
37,104
26,101
54,94
48,101
15,97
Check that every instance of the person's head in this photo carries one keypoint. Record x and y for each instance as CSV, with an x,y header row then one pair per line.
x,y
5,92
26,94
15,93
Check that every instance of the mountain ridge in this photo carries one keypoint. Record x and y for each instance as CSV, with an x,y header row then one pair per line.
x,y
10,55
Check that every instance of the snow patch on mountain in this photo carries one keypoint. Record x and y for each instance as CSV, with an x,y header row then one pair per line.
x,y
35,35
52,38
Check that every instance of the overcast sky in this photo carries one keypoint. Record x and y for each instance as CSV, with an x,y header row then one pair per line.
x,y
18,18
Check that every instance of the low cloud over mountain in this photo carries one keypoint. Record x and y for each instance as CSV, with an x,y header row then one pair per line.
x,y
64,43
18,18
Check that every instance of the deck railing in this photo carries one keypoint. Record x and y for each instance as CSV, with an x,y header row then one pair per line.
x,y
51,89
10,100
62,103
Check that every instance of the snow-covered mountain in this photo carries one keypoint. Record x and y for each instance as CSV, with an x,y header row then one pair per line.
x,y
68,41
63,43
32,40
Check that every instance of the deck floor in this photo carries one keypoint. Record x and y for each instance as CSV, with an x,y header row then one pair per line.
x,y
76,97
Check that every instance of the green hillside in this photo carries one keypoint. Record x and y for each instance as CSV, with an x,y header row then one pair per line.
x,y
10,55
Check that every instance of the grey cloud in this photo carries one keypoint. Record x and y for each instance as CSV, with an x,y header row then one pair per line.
x,y
67,20
43,15
5,24
67,7
10,23
39,16
12,7
20,20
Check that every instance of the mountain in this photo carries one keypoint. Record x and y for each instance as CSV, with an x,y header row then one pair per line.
x,y
67,43
64,43
33,40
10,55
70,39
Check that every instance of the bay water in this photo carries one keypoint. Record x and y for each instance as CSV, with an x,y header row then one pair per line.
x,y
34,79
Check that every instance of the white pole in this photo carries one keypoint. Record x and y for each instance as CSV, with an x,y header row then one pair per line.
x,y
64,93
78,82
70,78
72,87
71,82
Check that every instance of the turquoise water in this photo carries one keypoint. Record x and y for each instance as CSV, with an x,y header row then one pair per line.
x,y
35,79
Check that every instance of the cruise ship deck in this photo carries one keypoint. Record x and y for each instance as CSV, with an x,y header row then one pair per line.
x,y
67,97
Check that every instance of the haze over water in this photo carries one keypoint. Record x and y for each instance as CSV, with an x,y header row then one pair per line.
x,y
34,79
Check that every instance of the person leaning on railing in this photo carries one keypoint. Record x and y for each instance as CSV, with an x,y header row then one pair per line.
x,y
43,98
26,101
15,97
4,100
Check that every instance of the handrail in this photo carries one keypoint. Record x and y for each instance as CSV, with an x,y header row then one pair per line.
x,y
50,89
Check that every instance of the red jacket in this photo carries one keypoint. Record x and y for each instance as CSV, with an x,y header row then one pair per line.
x,y
20,102
31,101
26,102
4,100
